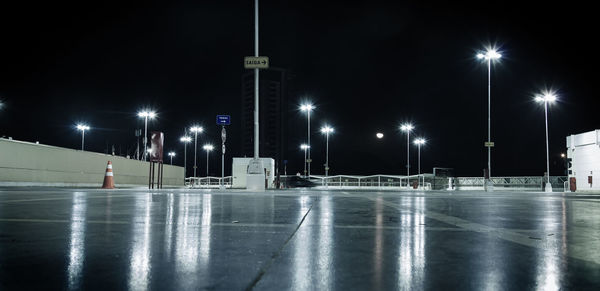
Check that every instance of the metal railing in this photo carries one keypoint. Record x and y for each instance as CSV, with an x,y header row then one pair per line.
x,y
207,182
532,183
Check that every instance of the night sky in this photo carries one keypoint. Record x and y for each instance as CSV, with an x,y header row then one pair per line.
x,y
368,67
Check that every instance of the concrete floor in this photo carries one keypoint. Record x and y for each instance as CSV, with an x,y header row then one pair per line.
x,y
297,239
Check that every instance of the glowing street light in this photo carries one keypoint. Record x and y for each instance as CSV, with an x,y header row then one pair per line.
x,y
490,55
326,130
146,114
419,142
547,97
304,147
308,108
171,154
185,140
196,130
207,148
407,128
379,135
83,128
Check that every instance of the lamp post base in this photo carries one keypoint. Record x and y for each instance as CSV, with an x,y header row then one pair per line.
x,y
548,188
488,186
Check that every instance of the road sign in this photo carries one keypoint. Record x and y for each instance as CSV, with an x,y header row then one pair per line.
x,y
223,119
256,62
489,144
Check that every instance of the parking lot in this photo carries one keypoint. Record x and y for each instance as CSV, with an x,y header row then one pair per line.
x,y
180,239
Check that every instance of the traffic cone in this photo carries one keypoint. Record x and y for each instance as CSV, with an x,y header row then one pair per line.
x,y
109,182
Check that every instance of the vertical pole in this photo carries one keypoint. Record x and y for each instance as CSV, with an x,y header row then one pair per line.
x,y
82,138
171,160
489,118
407,157
145,137
256,127
195,150
547,147
308,134
184,161
223,160
305,149
327,157
207,163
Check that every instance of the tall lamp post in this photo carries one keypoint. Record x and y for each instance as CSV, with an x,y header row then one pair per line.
x,y
326,130
207,148
195,130
146,115
419,142
185,140
547,97
171,154
490,55
304,147
407,128
83,128
308,108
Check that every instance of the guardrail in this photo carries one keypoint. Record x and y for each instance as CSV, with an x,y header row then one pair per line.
x,y
207,182
422,182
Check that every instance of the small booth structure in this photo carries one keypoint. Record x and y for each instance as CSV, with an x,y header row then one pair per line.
x,y
583,158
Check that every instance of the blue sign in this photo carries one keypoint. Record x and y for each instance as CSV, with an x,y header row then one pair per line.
x,y
223,119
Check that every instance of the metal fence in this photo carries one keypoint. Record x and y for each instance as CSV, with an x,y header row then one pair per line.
x,y
207,182
422,182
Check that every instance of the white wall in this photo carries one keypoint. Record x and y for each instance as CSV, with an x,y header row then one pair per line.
x,y
240,169
25,163
584,151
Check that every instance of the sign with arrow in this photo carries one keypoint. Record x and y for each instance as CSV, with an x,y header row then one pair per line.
x,y
256,62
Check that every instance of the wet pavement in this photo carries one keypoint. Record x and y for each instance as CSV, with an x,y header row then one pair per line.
x,y
53,238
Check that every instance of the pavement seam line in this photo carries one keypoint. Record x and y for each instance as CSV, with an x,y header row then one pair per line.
x,y
264,269
502,234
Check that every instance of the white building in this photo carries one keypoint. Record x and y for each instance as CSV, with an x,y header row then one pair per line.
x,y
583,150
240,170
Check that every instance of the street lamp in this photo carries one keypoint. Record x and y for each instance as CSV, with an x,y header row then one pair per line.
x,y
207,148
195,130
407,128
83,128
419,142
489,56
304,147
547,97
326,130
146,114
171,154
185,140
308,108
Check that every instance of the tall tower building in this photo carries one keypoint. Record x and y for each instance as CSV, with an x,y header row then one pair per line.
x,y
273,102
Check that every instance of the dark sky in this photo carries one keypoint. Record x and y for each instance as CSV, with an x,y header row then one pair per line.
x,y
368,66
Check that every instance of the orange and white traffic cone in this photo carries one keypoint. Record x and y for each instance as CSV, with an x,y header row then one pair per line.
x,y
109,182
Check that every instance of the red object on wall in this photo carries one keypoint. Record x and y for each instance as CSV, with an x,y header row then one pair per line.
x,y
572,184
156,150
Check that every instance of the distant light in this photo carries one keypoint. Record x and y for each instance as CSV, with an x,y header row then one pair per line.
x,y
304,146
208,147
149,114
307,107
562,155
546,96
149,150
419,141
82,127
379,135
407,127
326,129
185,139
171,154
490,54
196,129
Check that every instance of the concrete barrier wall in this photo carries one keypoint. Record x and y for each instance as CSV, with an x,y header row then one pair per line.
x,y
25,163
